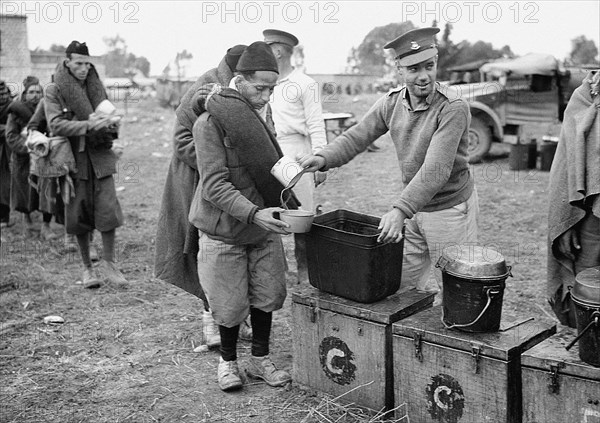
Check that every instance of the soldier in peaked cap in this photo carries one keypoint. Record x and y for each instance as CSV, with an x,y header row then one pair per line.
x,y
299,124
430,131
275,36
414,46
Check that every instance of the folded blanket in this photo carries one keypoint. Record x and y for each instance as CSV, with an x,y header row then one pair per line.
x,y
257,147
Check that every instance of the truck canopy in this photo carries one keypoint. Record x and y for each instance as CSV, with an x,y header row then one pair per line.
x,y
532,63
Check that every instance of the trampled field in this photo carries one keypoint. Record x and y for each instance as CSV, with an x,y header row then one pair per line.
x,y
126,355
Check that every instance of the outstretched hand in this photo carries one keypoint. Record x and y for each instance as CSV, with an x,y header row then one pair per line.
x,y
265,219
311,163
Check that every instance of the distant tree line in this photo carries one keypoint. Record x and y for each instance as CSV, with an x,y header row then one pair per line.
x,y
370,57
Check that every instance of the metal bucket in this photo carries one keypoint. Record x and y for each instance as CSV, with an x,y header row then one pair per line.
x,y
474,280
586,300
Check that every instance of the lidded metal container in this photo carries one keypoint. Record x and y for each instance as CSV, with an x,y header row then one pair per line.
x,y
586,300
474,280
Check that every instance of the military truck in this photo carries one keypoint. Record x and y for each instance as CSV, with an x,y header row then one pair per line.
x,y
516,101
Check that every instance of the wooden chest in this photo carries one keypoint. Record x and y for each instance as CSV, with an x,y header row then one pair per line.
x,y
457,377
344,348
557,385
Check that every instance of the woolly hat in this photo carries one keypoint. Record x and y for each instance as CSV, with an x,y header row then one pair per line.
x,y
257,57
77,48
29,81
233,55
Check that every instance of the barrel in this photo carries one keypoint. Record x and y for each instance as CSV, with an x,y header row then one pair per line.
x,y
519,157
547,151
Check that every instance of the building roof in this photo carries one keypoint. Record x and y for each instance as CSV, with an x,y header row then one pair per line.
x,y
11,16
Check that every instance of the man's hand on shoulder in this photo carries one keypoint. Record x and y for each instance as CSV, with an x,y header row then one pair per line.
x,y
265,219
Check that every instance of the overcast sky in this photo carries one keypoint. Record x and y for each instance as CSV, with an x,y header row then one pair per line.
x,y
327,29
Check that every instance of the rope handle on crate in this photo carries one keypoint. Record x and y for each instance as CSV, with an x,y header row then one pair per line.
x,y
489,294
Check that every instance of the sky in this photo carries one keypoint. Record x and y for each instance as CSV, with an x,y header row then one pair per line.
x,y
328,30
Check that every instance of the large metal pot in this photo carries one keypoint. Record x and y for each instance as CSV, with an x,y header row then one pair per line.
x,y
587,286
586,300
474,281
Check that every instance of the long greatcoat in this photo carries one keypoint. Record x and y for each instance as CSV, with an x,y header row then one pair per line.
x,y
23,196
176,252
4,158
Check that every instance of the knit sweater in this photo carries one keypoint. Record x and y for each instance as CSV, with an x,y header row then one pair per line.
x,y
431,145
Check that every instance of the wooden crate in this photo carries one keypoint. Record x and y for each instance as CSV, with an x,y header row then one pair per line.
x,y
557,385
446,375
340,345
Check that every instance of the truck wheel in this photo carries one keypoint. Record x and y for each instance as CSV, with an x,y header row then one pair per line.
x,y
480,140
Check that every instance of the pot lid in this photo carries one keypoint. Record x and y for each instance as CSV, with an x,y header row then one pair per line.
x,y
473,261
587,285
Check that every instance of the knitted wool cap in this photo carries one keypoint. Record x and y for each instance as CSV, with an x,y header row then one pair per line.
x,y
257,57
78,48
233,55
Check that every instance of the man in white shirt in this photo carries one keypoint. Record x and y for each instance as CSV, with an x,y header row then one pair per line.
x,y
299,123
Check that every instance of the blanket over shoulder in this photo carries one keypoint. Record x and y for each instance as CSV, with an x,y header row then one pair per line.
x,y
256,145
574,179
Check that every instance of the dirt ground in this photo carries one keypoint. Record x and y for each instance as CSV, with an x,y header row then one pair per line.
x,y
127,354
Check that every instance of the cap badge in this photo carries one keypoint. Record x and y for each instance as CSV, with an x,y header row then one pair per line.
x,y
414,45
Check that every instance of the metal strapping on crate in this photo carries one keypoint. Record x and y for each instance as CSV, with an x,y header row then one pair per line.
x,y
418,339
554,385
475,353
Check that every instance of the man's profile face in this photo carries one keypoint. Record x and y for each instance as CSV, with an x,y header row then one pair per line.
x,y
79,65
257,89
420,78
33,94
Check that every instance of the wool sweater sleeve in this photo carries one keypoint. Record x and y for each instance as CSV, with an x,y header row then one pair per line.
x,y
453,121
214,173
356,139
58,121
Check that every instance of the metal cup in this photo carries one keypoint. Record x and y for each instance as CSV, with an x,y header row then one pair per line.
x,y
286,170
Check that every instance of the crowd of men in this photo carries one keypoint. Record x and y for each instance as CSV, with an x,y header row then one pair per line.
x,y
84,198
219,236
